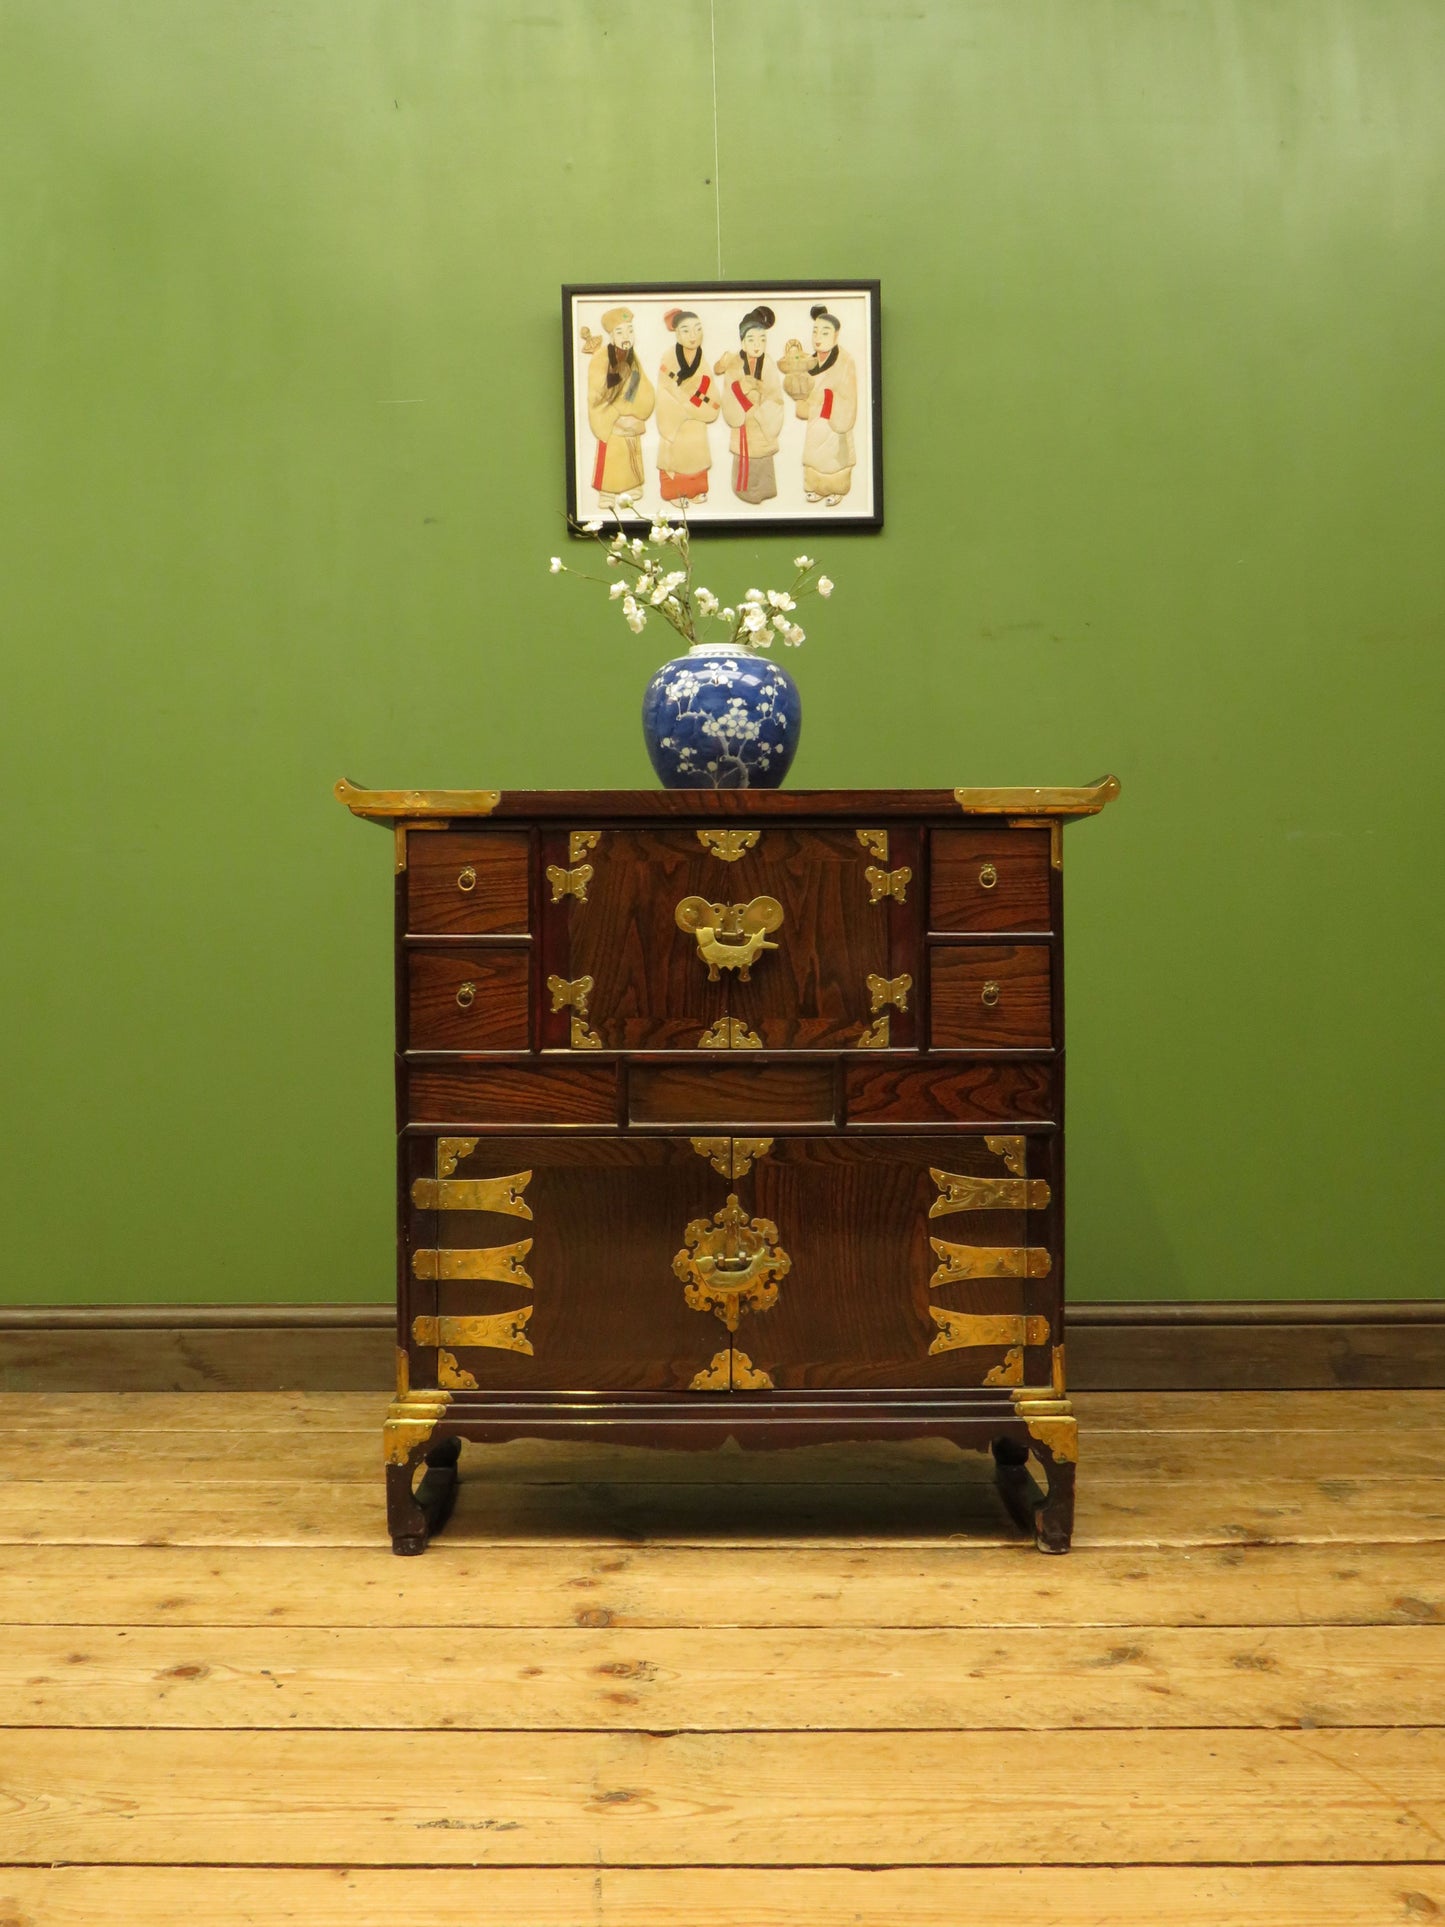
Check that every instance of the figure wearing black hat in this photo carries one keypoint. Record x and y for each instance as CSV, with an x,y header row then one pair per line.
x,y
752,404
830,409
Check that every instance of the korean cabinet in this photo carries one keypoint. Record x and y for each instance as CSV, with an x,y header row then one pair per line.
x,y
729,1114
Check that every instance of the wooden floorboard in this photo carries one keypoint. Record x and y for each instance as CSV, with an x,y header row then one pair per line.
x,y
633,1689
1140,1896
723,1679
957,1584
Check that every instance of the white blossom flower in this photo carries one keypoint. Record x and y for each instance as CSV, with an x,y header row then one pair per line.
x,y
677,576
619,541
626,501
753,595
781,624
781,601
707,602
612,561
555,565
795,635
802,561
594,527
617,589
754,621
638,546
825,586
637,623
729,615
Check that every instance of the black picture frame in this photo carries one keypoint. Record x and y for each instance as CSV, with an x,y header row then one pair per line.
x,y
723,508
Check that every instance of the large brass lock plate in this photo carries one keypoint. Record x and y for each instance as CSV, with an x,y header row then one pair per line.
x,y
730,936
730,1262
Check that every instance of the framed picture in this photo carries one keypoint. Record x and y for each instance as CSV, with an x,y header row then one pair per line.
x,y
744,404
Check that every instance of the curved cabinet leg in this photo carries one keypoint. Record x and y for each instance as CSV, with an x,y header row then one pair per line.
x,y
1054,1520
1049,1517
412,1517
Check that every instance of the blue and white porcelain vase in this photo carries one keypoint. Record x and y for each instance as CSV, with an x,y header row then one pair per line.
x,y
721,718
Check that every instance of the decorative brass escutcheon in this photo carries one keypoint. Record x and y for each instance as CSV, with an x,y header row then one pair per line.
x,y
962,1331
888,883
729,1033
888,990
730,936
731,1371
728,844
574,992
732,1157
503,1264
988,1261
474,1194
1013,1151
875,1035
875,842
580,842
468,879
569,883
985,1194
730,1262
501,1331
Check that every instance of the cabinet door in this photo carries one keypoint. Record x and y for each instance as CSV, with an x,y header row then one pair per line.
x,y
827,982
620,974
546,1263
912,1261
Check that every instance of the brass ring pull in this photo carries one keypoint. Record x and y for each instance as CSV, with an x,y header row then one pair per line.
x,y
468,879
467,996
987,877
730,936
990,993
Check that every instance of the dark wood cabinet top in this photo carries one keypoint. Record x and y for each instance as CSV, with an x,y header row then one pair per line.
x,y
391,806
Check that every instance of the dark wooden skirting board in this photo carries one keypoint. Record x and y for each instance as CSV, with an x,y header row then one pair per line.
x,y
1263,1346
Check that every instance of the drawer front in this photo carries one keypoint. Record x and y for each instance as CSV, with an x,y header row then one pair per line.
x,y
466,882
990,879
458,1092
461,999
893,1092
780,938
546,1263
913,1261
991,997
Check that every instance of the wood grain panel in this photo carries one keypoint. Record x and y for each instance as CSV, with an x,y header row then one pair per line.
x,y
961,896
606,1311
883,1091
495,1018
855,1309
1148,1896
439,898
790,1799
483,1094
812,991
720,1092
650,989
962,1020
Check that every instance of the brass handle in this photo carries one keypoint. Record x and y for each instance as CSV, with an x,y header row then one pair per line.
x,y
468,879
987,877
730,936
467,996
990,993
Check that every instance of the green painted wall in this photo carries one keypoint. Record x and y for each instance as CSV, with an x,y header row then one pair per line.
x,y
281,470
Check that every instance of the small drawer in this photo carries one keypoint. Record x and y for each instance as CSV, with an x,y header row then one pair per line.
x,y
723,1093
894,1093
991,997
453,1091
461,999
990,880
466,882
